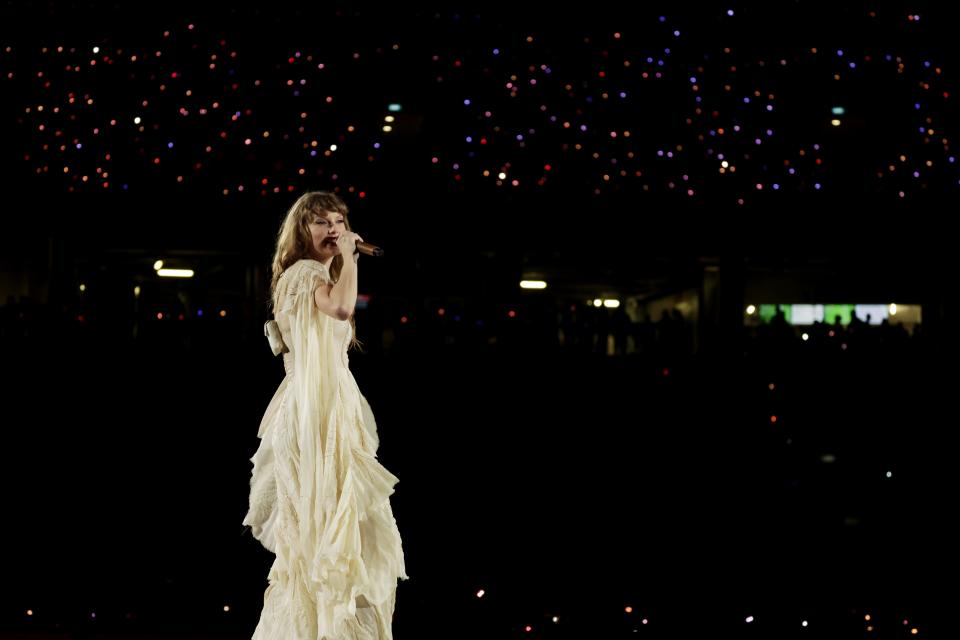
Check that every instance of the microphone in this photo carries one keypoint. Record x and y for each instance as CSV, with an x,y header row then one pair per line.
x,y
368,249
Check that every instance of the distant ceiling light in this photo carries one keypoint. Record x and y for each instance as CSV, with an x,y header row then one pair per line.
x,y
611,303
158,265
387,128
893,309
394,107
837,111
389,119
751,309
533,284
175,273
835,122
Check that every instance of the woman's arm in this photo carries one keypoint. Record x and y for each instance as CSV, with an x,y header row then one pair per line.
x,y
339,300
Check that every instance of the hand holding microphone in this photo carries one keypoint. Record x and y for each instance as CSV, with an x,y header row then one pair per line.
x,y
350,243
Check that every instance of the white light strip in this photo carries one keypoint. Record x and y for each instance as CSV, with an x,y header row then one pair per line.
x,y
175,273
533,284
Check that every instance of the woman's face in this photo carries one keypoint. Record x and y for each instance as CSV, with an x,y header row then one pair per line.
x,y
325,228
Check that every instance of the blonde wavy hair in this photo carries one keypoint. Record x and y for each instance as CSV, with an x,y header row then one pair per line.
x,y
294,241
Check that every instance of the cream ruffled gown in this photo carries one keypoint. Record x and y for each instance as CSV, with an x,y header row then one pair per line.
x,y
319,499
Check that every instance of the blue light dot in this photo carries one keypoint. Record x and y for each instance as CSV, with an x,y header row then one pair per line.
x,y
169,145
467,102
496,52
376,145
469,138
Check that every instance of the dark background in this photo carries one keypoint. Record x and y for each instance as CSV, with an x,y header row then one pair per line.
x,y
562,480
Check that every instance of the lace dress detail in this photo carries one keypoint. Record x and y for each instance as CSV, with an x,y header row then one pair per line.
x,y
319,498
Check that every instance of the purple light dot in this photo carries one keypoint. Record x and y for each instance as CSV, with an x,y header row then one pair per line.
x,y
746,99
496,52
853,65
769,107
816,185
467,102
776,187
623,94
469,139
376,145
840,52
169,145
693,80
676,32
730,12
